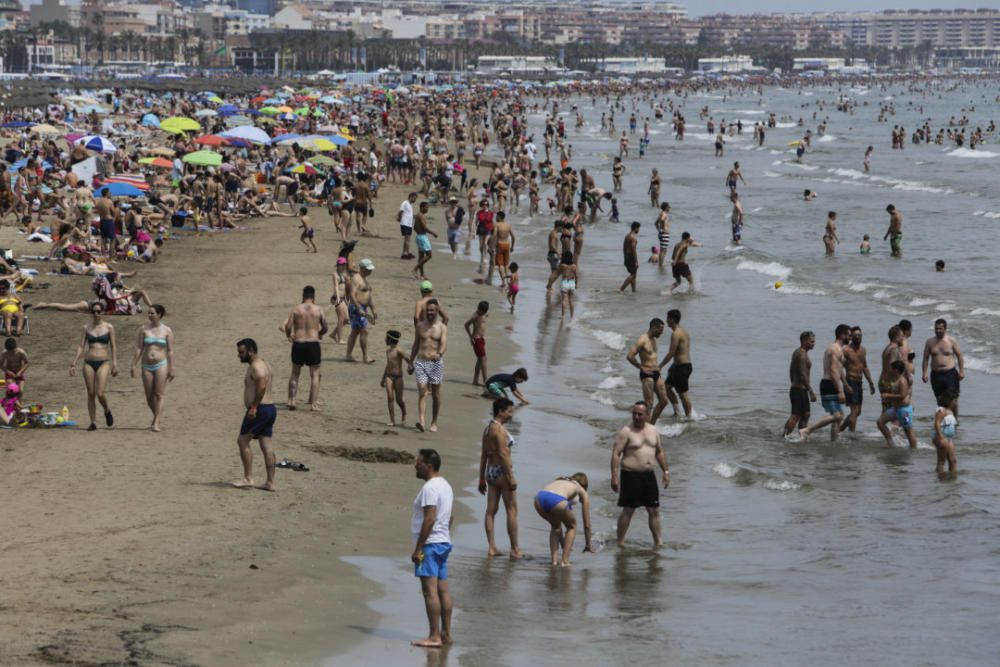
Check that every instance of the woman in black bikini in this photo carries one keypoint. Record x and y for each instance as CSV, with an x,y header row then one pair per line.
x,y
100,359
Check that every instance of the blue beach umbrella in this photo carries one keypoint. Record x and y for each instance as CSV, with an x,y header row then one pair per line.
x,y
119,190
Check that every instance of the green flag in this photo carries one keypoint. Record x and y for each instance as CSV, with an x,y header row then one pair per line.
x,y
221,51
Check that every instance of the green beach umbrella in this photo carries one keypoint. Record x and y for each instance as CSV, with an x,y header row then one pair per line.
x,y
203,158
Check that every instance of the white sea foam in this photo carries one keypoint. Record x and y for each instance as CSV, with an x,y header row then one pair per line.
x,y
968,152
991,214
946,307
615,341
601,397
799,289
735,248
612,382
977,364
773,152
752,112
902,312
726,470
916,303
826,138
858,287
771,174
767,268
881,294
849,173
781,485
786,124
985,311
804,167
671,430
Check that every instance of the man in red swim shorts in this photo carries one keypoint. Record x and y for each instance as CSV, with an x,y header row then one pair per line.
x,y
475,326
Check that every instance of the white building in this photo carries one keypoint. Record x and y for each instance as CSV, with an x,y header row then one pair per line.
x,y
515,64
643,65
404,26
726,65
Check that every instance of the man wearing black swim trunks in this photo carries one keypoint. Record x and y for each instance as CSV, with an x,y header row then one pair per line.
x,y
305,326
643,356
680,371
801,393
944,357
637,448
258,422
630,252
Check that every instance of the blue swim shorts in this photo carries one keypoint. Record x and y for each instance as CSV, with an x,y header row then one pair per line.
x,y
435,561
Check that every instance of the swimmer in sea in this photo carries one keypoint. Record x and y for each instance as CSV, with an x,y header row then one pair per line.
x,y
895,231
830,239
808,195
944,433
554,503
866,245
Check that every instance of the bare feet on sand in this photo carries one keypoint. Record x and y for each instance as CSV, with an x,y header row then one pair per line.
x,y
243,483
433,428
430,642
516,554
267,486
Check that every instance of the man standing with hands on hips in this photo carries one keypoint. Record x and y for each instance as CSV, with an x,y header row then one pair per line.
x,y
637,447
431,527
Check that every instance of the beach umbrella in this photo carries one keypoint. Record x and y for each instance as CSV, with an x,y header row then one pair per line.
x,y
332,129
286,139
323,161
249,133
16,123
105,91
271,100
215,99
329,99
321,144
178,124
210,140
151,120
96,143
45,128
135,180
270,111
341,139
161,162
287,116
236,121
201,113
304,168
228,110
92,108
284,108
266,121
203,158
119,190
302,111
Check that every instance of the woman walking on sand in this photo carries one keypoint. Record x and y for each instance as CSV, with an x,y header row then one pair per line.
x,y
100,360
155,348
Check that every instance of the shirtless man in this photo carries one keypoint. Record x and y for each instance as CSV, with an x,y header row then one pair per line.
x,y
630,253
304,328
260,415
895,231
426,294
680,371
663,231
637,447
107,211
496,476
360,307
801,393
898,401
942,353
890,353
503,239
679,266
856,367
421,227
362,203
831,387
649,369
734,175
475,327
427,362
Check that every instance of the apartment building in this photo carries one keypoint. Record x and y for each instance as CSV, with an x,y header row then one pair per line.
x,y
959,28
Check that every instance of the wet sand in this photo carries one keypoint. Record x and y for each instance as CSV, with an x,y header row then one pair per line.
x,y
129,546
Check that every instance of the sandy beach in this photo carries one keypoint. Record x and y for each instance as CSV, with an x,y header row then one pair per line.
x,y
129,547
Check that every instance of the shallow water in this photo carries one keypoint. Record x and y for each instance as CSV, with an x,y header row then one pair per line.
x,y
778,553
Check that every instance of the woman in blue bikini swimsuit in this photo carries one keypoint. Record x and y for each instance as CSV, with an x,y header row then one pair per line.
x,y
155,347
97,347
554,503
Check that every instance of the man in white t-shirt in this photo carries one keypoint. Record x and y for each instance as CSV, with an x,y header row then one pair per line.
x,y
431,526
405,218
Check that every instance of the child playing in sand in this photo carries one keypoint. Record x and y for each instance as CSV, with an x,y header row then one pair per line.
x,y
513,285
392,376
944,432
475,326
307,230
13,362
866,245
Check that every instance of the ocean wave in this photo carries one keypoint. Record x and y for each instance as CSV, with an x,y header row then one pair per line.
x,y
615,341
786,125
752,112
602,398
968,152
797,289
977,364
902,312
859,287
826,138
612,382
804,167
881,294
985,311
771,174
726,470
671,430
849,173
916,303
767,268
946,307
734,248
781,485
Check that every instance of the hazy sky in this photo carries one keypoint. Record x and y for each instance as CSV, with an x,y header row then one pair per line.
x,y
701,7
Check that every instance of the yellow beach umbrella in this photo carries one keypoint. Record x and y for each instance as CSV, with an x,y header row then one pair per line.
x,y
319,144
178,124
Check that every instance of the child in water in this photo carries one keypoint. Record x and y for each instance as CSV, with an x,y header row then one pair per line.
x,y
392,376
513,285
866,245
614,210
944,433
654,257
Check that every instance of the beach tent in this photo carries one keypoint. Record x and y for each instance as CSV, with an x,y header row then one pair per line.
x,y
151,120
87,169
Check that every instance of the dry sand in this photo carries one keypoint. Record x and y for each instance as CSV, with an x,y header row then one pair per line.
x,y
128,547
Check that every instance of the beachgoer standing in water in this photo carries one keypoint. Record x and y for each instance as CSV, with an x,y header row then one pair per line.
x,y
644,356
554,503
895,231
496,476
831,388
637,448
801,393
431,527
